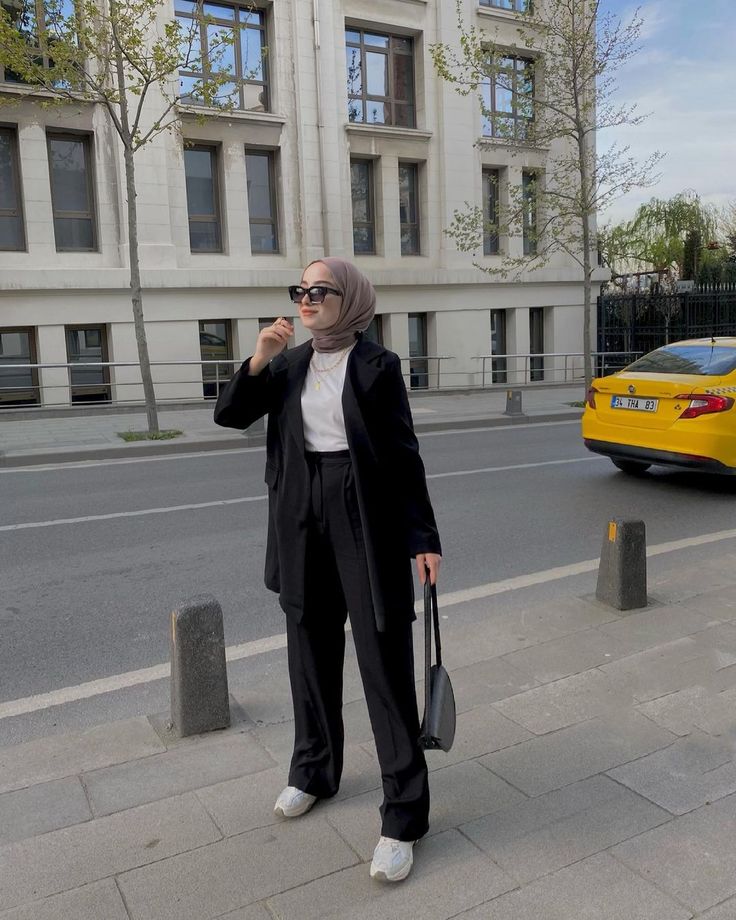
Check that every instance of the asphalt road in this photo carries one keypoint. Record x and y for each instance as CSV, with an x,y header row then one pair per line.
x,y
83,598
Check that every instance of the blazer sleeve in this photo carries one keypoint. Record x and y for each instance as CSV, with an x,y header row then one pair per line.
x,y
244,399
407,463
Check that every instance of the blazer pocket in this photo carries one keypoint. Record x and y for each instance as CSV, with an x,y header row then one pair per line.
x,y
271,475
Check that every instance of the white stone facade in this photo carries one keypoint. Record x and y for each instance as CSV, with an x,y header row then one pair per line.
x,y
46,290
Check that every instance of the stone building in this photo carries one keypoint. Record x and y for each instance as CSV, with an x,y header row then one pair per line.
x,y
343,142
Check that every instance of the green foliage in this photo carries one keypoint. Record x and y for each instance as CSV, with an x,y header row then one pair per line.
x,y
166,435
691,250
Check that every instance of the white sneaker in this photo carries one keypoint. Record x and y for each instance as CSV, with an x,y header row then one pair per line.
x,y
392,859
293,802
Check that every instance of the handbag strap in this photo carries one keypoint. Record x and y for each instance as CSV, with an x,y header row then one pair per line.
x,y
431,616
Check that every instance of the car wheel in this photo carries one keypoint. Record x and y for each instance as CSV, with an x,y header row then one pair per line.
x,y
632,467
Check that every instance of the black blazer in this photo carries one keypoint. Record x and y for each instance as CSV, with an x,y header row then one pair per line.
x,y
396,513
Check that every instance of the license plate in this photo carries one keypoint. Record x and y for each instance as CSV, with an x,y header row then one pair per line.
x,y
634,402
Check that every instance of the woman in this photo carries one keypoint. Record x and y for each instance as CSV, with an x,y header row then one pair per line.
x,y
348,507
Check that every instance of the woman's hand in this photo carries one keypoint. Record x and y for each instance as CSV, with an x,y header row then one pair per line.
x,y
272,341
429,561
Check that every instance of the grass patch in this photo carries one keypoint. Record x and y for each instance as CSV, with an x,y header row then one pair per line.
x,y
165,435
580,404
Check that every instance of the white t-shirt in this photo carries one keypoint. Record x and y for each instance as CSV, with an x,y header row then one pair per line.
x,y
324,421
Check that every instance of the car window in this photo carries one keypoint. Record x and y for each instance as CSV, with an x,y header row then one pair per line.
x,y
712,360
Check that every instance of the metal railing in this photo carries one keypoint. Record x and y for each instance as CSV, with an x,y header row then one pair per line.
x,y
551,367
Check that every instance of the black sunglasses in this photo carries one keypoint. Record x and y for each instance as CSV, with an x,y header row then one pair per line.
x,y
316,294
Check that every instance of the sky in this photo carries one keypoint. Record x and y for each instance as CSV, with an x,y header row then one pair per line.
x,y
685,76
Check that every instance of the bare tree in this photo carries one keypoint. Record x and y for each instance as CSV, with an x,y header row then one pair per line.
x,y
552,88
124,55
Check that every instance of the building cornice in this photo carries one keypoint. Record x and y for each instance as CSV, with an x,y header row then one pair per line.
x,y
412,134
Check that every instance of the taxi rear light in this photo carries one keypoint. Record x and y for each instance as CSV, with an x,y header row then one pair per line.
x,y
590,397
705,404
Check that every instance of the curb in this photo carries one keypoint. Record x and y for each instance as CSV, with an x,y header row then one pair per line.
x,y
157,449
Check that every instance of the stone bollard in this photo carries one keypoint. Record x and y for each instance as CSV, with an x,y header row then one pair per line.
x,y
622,572
513,403
199,693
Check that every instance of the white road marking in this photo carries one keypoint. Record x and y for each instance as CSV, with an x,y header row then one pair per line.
x,y
103,685
30,525
224,452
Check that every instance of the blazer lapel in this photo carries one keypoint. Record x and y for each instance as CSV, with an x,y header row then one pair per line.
x,y
360,377
296,370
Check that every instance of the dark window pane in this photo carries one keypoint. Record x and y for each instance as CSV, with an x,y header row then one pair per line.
x,y
404,115
356,111
198,167
11,233
73,233
380,85
354,71
8,189
87,347
352,36
363,240
374,332
204,236
16,384
403,78
409,241
360,183
69,174
263,238
378,41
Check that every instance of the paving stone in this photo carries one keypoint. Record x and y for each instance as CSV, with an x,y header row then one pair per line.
x,y
479,731
569,655
42,808
458,794
175,772
598,888
565,702
74,856
719,604
656,625
694,707
672,666
673,585
238,871
99,901
64,755
538,836
253,912
693,771
485,681
693,857
449,875
560,758
725,911
246,803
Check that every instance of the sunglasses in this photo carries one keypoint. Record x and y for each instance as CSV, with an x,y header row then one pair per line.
x,y
316,294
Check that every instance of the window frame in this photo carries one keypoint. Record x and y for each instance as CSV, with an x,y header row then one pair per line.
x,y
390,100
517,6
521,123
370,223
530,212
270,155
16,178
416,224
41,47
104,357
86,140
204,20
35,400
214,151
491,178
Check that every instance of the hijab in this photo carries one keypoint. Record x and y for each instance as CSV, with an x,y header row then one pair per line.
x,y
357,308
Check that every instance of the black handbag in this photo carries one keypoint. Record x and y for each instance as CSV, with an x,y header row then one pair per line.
x,y
438,725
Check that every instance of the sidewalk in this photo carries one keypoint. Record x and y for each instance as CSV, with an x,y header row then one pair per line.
x,y
592,778
31,441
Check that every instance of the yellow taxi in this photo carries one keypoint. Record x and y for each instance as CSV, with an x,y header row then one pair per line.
x,y
675,407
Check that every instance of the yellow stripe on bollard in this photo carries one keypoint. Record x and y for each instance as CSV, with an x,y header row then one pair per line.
x,y
612,531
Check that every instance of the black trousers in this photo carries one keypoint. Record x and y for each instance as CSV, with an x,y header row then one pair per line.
x,y
337,582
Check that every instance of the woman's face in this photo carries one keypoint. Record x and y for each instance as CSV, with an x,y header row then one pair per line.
x,y
319,316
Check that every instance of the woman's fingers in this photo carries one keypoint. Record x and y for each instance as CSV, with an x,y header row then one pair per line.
x,y
428,562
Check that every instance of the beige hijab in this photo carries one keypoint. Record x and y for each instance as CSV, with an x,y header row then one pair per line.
x,y
357,308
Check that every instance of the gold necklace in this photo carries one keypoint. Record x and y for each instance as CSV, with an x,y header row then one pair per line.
x,y
328,369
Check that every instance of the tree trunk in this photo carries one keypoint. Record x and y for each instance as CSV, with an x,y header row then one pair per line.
x,y
135,271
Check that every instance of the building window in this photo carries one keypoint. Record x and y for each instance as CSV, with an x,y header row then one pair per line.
x,y
491,179
203,198
536,343
364,220
508,99
204,26
380,77
374,332
72,196
518,6
418,365
261,178
86,346
215,344
12,232
498,346
18,386
409,208
529,212
37,22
